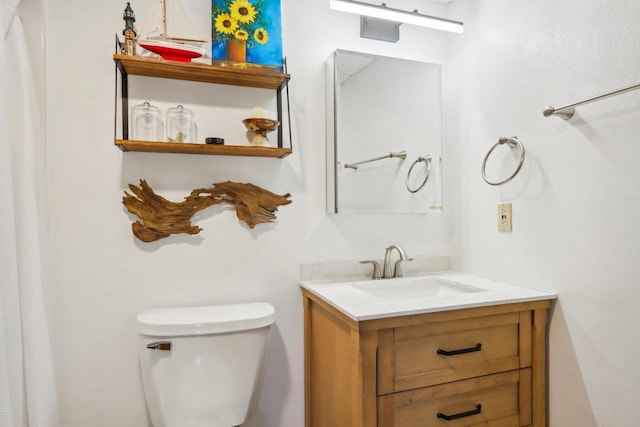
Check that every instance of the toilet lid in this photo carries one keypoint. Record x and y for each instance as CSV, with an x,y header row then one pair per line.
x,y
212,319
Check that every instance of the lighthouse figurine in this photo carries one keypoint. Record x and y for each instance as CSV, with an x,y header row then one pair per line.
x,y
129,32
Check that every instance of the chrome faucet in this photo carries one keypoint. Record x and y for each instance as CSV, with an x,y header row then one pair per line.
x,y
397,271
386,269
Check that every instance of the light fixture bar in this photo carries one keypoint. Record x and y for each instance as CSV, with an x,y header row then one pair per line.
x,y
397,15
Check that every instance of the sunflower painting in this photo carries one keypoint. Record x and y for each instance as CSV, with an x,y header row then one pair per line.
x,y
247,31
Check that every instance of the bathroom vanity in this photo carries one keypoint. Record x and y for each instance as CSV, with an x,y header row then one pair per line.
x,y
436,350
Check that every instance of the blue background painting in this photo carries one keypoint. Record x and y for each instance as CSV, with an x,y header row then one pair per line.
x,y
266,54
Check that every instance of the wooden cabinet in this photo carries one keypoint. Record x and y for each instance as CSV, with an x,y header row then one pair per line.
x,y
482,366
248,77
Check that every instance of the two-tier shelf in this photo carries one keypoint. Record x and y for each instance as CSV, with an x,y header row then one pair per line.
x,y
247,76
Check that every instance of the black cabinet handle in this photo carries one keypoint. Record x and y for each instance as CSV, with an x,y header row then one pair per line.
x,y
461,414
477,347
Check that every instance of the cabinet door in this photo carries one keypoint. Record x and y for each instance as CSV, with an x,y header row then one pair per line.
x,y
436,353
498,400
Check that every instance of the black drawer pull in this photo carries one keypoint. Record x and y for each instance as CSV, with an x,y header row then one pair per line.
x,y
477,347
461,414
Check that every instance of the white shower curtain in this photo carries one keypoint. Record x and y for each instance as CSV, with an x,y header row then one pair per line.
x,y
27,388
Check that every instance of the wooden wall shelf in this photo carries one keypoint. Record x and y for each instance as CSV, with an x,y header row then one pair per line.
x,y
243,75
249,76
212,149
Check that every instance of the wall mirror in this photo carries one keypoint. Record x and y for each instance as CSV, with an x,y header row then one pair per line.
x,y
384,133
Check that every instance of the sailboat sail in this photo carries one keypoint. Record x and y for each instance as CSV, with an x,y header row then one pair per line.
x,y
170,33
169,21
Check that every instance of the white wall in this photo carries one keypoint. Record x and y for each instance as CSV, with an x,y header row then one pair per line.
x,y
576,203
103,276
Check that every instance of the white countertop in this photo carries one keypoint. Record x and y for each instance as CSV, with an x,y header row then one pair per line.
x,y
351,297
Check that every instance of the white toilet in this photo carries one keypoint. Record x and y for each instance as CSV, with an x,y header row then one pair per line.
x,y
203,366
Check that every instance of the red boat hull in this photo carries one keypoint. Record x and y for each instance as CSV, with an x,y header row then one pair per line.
x,y
171,53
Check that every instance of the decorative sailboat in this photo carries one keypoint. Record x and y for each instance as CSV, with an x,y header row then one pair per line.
x,y
163,39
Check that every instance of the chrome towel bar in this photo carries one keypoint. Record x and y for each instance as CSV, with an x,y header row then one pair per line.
x,y
567,111
400,155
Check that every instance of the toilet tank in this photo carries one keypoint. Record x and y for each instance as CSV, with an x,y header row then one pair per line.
x,y
203,366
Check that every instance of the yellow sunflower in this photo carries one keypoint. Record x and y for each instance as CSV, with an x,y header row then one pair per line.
x,y
261,36
241,35
243,11
225,24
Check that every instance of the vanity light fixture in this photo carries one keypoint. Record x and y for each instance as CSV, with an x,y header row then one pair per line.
x,y
396,15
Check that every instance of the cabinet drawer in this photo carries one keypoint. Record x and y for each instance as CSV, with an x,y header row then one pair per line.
x,y
435,353
498,400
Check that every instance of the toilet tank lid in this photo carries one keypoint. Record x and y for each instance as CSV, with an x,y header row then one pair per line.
x,y
180,321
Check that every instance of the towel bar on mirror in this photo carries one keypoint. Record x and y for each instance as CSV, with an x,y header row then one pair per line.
x,y
399,155
512,142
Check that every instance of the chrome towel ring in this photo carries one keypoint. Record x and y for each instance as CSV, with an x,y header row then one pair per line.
x,y
512,142
427,160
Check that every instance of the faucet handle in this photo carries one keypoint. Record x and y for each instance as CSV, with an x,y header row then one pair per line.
x,y
377,272
397,271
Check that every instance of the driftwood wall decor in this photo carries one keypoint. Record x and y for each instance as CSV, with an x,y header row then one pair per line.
x,y
161,218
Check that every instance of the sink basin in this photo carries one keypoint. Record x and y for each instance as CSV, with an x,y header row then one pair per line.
x,y
415,288
369,299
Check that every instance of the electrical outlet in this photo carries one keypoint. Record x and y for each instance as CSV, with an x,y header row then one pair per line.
x,y
504,216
